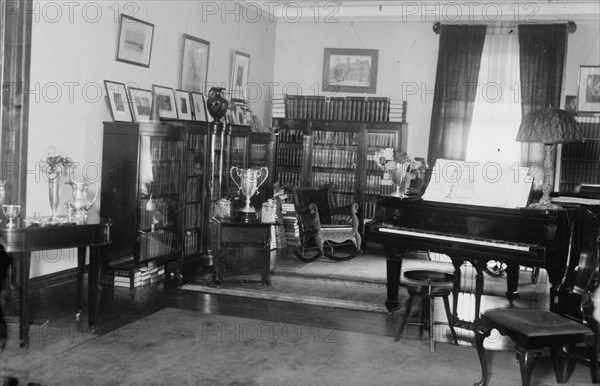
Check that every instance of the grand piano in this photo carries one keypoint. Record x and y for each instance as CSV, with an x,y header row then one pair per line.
x,y
549,239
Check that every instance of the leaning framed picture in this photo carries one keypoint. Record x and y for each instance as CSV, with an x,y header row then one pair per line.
x,y
184,107
135,41
199,107
141,103
240,70
118,101
194,64
588,93
350,70
165,98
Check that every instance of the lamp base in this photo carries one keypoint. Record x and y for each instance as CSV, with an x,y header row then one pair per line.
x,y
544,206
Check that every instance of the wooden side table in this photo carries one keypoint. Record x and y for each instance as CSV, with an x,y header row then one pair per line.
x,y
242,251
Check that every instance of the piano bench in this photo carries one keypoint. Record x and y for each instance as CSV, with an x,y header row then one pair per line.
x,y
427,292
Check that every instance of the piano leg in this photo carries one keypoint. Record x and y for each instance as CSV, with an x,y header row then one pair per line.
x,y
512,282
393,281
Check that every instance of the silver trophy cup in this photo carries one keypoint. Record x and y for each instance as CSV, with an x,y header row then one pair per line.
x,y
250,181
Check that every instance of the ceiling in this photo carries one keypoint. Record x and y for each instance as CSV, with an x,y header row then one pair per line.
x,y
493,12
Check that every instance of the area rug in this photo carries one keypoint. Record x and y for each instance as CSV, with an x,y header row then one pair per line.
x,y
182,347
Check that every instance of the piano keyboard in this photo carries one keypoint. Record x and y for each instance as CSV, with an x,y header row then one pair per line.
x,y
495,244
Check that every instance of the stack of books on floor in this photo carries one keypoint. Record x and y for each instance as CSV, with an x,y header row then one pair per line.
x,y
289,218
280,196
138,276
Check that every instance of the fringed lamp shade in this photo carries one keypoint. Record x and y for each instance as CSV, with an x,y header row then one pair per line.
x,y
548,126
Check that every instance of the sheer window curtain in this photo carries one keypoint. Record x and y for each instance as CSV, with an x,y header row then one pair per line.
x,y
497,111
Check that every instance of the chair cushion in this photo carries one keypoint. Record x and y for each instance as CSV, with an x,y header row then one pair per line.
x,y
318,196
535,328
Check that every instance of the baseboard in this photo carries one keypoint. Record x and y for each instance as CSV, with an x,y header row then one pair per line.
x,y
56,279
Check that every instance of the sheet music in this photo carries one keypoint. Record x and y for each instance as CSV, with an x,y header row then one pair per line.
x,y
479,183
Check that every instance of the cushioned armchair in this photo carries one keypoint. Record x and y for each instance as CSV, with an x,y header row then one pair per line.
x,y
324,225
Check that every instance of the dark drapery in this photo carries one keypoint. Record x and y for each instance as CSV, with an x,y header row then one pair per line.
x,y
542,50
455,89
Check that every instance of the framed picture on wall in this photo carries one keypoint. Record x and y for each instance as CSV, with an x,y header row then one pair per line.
x,y
194,64
588,93
141,103
118,101
199,107
350,70
135,41
184,106
165,97
240,71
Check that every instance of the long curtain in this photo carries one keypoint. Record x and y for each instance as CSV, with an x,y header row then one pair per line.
x,y
458,64
497,113
542,50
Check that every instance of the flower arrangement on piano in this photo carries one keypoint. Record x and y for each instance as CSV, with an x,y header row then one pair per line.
x,y
398,165
390,158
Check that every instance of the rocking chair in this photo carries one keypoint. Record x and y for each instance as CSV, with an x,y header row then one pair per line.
x,y
324,224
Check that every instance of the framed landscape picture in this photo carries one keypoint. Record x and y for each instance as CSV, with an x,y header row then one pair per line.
x,y
135,41
165,97
350,70
240,71
194,64
118,101
588,94
141,103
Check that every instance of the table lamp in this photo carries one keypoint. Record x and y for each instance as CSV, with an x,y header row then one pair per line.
x,y
548,126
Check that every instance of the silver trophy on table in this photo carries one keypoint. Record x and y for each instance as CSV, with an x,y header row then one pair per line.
x,y
250,180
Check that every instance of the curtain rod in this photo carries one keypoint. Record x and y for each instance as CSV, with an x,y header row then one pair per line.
x,y
571,25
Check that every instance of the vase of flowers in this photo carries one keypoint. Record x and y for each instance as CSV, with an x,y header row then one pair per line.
x,y
398,166
56,164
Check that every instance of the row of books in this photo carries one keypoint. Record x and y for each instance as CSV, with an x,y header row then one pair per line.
x,y
334,158
191,243
155,244
287,135
192,215
288,178
589,126
193,165
588,150
369,210
381,139
139,276
289,155
348,108
195,142
163,150
581,171
335,138
344,182
193,188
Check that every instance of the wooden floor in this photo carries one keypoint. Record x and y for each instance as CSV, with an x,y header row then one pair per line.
x,y
119,307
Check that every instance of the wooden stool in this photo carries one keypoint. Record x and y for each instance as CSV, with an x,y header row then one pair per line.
x,y
428,292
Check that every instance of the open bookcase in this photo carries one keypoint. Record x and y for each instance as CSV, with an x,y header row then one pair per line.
x,y
580,161
343,153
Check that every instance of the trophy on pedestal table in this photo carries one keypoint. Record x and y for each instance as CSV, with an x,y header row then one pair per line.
x,y
248,186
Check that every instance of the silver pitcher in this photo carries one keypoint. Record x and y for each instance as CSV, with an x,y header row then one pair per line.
x,y
250,181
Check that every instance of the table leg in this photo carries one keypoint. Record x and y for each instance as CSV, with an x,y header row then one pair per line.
x,y
22,264
80,269
93,286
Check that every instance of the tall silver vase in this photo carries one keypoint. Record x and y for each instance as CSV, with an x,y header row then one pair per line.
x,y
54,176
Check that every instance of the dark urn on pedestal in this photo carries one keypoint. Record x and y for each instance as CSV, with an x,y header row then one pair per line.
x,y
216,103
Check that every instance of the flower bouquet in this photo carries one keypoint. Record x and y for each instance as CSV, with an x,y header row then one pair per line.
x,y
398,165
